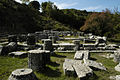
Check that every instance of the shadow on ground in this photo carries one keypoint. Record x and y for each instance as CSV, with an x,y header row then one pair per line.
x,y
94,59
94,77
59,56
53,64
50,72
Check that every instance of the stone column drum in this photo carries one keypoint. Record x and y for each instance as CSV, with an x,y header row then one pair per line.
x,y
37,59
77,45
31,41
12,38
53,38
22,74
48,45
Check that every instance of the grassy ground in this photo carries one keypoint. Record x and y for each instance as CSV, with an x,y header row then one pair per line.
x,y
8,64
108,63
54,70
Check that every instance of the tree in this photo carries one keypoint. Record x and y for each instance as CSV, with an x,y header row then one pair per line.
x,y
99,24
25,1
49,8
35,5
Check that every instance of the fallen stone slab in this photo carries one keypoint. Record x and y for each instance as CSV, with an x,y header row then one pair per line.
x,y
83,71
1,47
108,56
117,77
72,61
117,68
12,46
79,55
112,77
116,57
19,54
94,64
68,67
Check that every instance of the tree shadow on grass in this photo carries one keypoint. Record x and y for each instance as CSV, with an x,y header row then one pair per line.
x,y
50,72
93,77
53,64
94,59
59,56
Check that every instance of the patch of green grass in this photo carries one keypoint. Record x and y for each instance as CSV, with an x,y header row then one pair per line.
x,y
71,36
8,64
54,70
40,41
108,63
65,41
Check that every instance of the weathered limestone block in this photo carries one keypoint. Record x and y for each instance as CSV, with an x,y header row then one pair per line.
x,y
53,38
94,64
79,55
117,77
76,42
116,57
37,59
77,45
117,68
31,39
22,74
12,38
48,45
1,47
83,71
68,66
46,56
12,46
22,38
112,77
86,54
18,54
68,69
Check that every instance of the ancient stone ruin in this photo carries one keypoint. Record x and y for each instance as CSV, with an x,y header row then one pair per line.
x,y
40,46
22,74
37,59
81,65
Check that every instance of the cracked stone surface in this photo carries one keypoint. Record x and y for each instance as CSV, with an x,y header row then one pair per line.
x,y
117,68
94,64
80,67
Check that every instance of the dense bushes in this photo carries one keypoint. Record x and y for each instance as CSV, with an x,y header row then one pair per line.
x,y
103,24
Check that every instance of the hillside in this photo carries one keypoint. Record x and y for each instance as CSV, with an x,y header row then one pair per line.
x,y
21,18
24,18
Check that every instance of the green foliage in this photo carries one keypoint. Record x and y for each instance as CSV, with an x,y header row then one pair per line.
x,y
48,8
8,64
98,23
35,5
17,18
23,18
103,23
25,1
72,17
